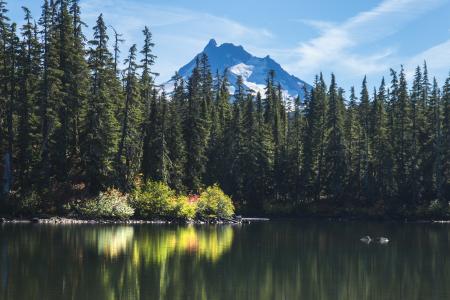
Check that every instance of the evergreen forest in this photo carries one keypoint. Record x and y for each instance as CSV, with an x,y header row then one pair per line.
x,y
80,115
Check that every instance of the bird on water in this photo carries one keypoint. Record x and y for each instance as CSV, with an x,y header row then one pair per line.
x,y
380,240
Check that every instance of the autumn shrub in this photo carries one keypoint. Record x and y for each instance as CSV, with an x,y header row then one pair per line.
x,y
152,199
213,202
111,204
183,209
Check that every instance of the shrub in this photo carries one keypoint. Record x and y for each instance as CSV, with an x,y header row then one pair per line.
x,y
436,208
29,203
109,204
183,208
152,199
214,203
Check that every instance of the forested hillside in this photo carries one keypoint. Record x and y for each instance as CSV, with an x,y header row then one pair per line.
x,y
77,118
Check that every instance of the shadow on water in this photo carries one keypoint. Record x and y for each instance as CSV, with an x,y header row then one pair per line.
x,y
274,260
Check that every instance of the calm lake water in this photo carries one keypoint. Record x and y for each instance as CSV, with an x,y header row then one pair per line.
x,y
274,260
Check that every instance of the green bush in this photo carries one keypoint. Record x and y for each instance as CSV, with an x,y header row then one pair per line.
x,y
214,203
436,208
183,209
152,199
110,204
29,203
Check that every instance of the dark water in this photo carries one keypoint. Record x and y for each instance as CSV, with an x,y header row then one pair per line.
x,y
276,260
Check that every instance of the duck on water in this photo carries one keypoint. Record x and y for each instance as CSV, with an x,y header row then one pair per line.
x,y
380,240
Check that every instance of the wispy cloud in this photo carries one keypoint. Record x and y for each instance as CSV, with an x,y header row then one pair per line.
x,y
338,45
180,33
352,48
437,58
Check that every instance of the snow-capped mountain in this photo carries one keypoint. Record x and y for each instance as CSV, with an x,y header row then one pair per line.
x,y
253,69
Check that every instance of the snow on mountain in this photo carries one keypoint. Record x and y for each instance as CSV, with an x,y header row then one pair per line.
x,y
253,70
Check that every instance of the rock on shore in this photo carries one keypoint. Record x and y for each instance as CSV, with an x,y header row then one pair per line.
x,y
65,220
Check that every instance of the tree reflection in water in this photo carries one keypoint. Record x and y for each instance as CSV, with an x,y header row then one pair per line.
x,y
276,260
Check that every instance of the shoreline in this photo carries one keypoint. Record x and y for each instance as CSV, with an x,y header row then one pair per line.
x,y
57,220
60,220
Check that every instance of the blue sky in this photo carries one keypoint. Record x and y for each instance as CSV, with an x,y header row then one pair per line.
x,y
351,38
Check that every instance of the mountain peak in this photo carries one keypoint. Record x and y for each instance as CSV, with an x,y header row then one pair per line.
x,y
211,44
254,70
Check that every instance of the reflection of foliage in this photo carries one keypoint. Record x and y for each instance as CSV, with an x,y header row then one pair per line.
x,y
210,243
307,260
110,241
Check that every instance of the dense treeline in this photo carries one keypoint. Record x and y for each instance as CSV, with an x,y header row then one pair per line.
x,y
73,120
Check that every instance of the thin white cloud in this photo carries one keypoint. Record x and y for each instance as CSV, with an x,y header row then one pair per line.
x,y
351,49
337,47
320,25
437,58
179,33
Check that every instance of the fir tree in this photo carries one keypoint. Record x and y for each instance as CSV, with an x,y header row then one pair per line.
x,y
28,72
402,138
50,91
382,161
12,52
101,128
335,148
4,78
196,130
352,137
129,151
175,144
444,169
363,147
295,149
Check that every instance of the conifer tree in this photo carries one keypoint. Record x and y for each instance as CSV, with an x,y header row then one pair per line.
x,y
78,86
432,138
382,162
295,152
219,147
4,159
130,143
101,129
352,137
29,74
175,144
417,124
403,138
70,120
196,130
147,61
156,160
236,140
116,48
335,148
50,92
12,53
391,111
265,157
444,169
363,147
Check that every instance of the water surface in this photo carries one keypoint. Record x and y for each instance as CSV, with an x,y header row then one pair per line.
x,y
274,260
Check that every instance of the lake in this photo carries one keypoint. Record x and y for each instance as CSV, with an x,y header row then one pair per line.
x,y
272,260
